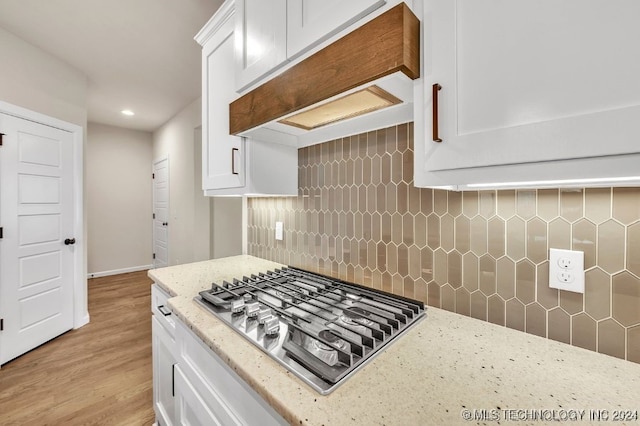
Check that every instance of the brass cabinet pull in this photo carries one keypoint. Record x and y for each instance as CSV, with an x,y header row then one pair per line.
x,y
435,89
233,161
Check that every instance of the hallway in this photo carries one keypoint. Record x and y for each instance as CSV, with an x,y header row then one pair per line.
x,y
100,374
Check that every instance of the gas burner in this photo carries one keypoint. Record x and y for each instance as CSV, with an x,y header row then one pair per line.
x,y
321,346
334,340
352,316
323,352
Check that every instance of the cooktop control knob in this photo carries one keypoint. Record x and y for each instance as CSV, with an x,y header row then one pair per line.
x,y
237,305
264,314
272,326
252,309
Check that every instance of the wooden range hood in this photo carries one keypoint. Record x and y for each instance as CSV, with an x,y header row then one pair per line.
x,y
387,44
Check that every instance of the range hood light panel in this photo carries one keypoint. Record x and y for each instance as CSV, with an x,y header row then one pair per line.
x,y
371,99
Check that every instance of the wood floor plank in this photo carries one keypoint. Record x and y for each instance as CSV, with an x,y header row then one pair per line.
x,y
100,374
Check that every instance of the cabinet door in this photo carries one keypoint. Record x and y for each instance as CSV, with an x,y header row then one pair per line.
x,y
190,407
224,393
530,81
260,37
223,154
163,361
310,22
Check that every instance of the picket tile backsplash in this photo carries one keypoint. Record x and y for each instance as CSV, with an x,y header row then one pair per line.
x,y
482,254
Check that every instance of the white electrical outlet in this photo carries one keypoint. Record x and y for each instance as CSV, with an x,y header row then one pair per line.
x,y
566,270
279,231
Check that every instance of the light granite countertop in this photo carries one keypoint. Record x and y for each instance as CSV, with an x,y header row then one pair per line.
x,y
446,367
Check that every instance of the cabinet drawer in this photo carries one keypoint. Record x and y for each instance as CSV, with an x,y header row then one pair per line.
x,y
161,310
225,393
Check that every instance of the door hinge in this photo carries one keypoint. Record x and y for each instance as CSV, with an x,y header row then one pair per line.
x,y
154,255
1,135
154,215
1,232
1,324
153,175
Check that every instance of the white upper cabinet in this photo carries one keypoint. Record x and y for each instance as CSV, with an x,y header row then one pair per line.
x,y
309,22
233,165
269,33
261,37
223,154
271,169
531,91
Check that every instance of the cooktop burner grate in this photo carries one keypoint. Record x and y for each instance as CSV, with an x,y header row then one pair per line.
x,y
320,328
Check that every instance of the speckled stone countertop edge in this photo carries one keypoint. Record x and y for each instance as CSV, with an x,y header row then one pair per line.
x,y
444,364
177,304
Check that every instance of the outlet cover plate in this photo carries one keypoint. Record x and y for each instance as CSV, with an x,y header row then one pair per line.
x,y
279,231
566,270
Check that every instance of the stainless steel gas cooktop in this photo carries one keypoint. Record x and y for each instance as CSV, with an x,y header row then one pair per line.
x,y
320,328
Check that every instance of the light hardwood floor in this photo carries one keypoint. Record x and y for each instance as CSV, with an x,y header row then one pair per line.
x,y
100,374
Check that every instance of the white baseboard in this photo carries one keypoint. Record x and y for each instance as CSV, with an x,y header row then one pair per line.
x,y
119,271
82,322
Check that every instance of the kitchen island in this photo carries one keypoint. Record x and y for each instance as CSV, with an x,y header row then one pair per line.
x,y
446,369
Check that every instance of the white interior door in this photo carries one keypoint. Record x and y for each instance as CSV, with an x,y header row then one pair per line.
x,y
161,213
37,216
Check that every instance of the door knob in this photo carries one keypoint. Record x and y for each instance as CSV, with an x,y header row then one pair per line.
x,y
69,241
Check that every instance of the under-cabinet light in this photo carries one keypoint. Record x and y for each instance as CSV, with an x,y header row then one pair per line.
x,y
127,112
554,183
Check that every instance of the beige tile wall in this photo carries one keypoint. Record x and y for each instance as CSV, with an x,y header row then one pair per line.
x,y
483,254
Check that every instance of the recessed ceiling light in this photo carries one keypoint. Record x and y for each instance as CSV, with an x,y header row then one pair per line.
x,y
127,112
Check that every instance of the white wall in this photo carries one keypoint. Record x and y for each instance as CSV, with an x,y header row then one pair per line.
x,y
188,214
119,199
200,227
226,226
202,206
34,79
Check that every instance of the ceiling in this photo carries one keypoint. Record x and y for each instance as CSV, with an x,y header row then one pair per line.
x,y
137,54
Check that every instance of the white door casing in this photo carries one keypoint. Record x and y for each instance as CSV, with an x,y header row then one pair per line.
x,y
42,279
161,212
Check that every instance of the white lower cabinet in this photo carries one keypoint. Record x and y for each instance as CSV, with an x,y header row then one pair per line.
x,y
163,344
163,365
190,407
192,385
209,392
